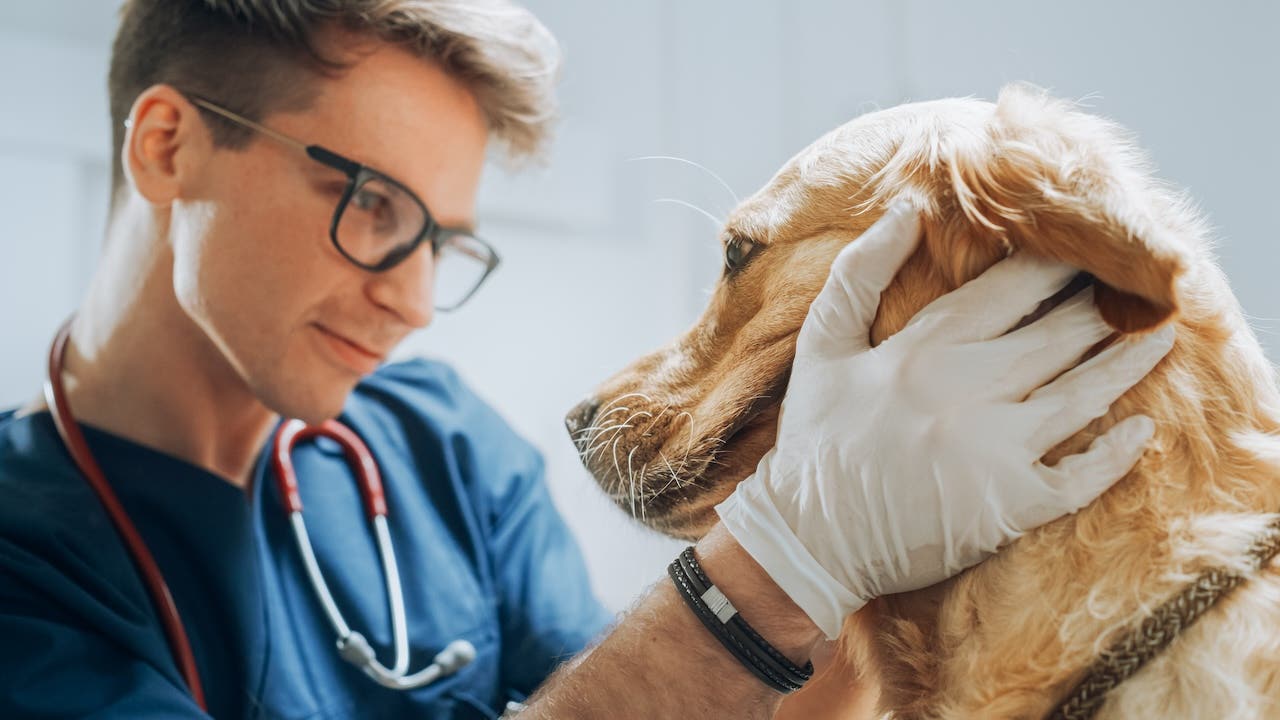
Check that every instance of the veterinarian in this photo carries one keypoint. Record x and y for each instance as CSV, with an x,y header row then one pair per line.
x,y
293,194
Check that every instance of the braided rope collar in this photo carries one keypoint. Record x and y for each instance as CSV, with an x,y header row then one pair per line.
x,y
1119,662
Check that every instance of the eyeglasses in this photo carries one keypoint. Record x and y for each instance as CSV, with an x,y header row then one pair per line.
x,y
378,222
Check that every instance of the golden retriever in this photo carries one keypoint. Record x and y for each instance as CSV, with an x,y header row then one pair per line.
x,y
670,436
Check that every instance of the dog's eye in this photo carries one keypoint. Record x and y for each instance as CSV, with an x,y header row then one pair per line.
x,y
737,251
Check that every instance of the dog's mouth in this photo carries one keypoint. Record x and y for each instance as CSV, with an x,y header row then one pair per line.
x,y
668,468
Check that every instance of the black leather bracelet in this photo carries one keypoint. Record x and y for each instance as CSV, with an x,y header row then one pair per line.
x,y
719,616
796,674
735,645
759,653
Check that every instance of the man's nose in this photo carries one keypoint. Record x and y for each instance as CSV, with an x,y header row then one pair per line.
x,y
580,417
408,288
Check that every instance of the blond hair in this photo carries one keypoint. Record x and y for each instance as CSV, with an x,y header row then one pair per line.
x,y
259,56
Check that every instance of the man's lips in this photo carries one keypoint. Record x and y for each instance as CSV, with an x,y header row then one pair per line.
x,y
351,353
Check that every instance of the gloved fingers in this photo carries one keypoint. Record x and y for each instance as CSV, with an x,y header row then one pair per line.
x,y
1078,480
839,320
988,305
1051,345
1061,408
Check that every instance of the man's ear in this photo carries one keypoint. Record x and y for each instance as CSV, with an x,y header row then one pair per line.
x,y
1050,180
165,136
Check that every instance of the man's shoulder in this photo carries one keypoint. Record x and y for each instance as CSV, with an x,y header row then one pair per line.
x,y
419,375
426,389
41,489
428,400
56,543
36,474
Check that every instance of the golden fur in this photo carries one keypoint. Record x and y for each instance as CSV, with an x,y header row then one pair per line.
x,y
679,428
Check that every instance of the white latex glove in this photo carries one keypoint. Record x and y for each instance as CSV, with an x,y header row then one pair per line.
x,y
900,465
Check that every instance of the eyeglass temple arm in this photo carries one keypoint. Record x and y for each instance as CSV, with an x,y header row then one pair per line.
x,y
315,152
241,120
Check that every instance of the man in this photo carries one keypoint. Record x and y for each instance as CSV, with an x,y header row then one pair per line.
x,y
294,194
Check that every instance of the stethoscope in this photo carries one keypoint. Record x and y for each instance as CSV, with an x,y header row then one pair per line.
x,y
352,646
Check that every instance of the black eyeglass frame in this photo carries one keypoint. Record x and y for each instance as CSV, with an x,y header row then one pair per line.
x,y
357,175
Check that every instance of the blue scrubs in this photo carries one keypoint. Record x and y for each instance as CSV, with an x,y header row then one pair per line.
x,y
483,555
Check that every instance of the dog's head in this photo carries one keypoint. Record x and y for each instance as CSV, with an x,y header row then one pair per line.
x,y
670,436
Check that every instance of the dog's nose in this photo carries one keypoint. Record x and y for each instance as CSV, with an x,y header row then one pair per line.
x,y
581,416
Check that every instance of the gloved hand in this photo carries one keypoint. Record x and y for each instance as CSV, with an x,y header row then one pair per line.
x,y
898,466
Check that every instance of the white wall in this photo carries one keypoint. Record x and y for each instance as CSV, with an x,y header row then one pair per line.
x,y
594,271
54,138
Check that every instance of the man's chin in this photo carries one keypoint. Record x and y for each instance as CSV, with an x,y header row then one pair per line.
x,y
325,405
312,403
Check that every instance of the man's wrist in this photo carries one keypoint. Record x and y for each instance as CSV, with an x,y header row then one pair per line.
x,y
756,596
753,515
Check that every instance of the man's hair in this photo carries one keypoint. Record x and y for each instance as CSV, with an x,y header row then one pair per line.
x,y
261,56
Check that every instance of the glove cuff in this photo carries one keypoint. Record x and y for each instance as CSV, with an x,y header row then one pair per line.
x,y
752,518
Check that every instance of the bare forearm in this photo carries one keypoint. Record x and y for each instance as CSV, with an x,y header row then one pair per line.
x,y
660,662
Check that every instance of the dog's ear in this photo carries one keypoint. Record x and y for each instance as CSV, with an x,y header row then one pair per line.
x,y
1047,179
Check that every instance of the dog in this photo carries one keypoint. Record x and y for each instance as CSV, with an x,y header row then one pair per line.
x,y
671,435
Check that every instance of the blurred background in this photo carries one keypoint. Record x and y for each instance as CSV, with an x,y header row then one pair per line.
x,y
599,264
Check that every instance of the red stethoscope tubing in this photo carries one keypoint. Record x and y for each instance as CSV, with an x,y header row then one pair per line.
x,y
73,439
287,435
357,453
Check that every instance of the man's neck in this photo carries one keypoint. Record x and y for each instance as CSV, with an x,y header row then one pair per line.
x,y
139,367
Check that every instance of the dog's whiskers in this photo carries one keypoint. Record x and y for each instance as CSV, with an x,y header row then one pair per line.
x,y
592,429
623,425
622,397
631,478
688,446
589,443
636,415
599,428
632,487
674,477
644,433
617,430
618,468
714,220
700,166
620,408
643,469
